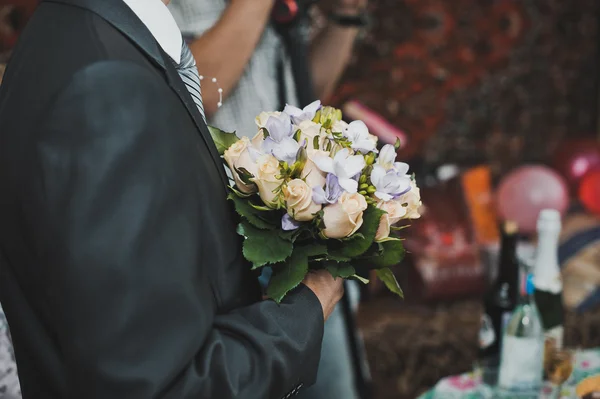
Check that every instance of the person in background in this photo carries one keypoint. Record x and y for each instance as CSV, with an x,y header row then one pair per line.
x,y
236,43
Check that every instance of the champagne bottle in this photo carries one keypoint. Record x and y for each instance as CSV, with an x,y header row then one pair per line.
x,y
548,283
500,301
522,359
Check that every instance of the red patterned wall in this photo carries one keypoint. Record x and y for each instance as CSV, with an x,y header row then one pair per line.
x,y
471,80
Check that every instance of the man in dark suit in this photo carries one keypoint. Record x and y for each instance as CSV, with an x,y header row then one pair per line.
x,y
121,272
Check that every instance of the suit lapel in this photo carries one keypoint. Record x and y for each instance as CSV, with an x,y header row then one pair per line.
x,y
179,87
118,14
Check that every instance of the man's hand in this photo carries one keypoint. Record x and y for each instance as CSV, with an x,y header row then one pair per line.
x,y
326,288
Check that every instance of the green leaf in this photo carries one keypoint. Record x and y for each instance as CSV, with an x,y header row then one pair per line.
x,y
260,208
239,193
288,275
390,281
223,140
343,270
389,239
359,278
263,247
245,209
363,241
315,250
390,254
337,257
245,176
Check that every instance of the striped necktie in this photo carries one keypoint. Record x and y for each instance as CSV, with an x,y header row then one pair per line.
x,y
189,74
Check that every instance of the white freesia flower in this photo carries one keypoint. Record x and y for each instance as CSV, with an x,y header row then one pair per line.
x,y
299,115
339,127
299,203
358,134
345,166
387,159
345,217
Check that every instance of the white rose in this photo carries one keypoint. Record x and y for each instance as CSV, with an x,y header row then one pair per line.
x,y
258,140
299,203
345,217
314,176
238,156
261,120
394,210
411,201
395,213
308,131
384,228
266,180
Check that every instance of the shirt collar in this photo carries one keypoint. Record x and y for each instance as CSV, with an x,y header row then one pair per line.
x,y
159,21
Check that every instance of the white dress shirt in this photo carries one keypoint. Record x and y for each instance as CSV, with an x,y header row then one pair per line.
x,y
159,21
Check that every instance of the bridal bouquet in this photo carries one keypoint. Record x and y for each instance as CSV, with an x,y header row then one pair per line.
x,y
314,192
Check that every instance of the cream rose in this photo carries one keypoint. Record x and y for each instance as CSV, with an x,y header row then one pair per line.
x,y
314,176
258,140
345,217
411,202
266,180
299,203
261,119
238,156
384,228
395,213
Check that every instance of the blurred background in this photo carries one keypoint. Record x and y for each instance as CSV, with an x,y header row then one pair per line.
x,y
496,103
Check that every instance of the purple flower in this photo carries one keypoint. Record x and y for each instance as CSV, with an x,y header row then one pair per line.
x,y
345,166
280,142
330,194
289,224
389,184
299,115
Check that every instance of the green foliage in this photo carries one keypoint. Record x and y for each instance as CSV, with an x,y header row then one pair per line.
x,y
390,281
287,275
223,140
391,253
245,209
359,244
263,247
343,270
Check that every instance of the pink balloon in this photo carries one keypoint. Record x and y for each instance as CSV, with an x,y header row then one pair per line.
x,y
524,192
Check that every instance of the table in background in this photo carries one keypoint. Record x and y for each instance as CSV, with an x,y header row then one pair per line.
x,y
468,386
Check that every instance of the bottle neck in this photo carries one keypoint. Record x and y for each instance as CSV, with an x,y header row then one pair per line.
x,y
508,265
547,269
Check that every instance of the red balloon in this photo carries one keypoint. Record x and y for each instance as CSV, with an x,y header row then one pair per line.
x,y
524,192
589,192
575,159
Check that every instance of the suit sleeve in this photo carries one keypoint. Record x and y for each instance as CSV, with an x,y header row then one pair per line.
x,y
117,202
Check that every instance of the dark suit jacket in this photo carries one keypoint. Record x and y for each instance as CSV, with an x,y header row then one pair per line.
x,y
121,272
